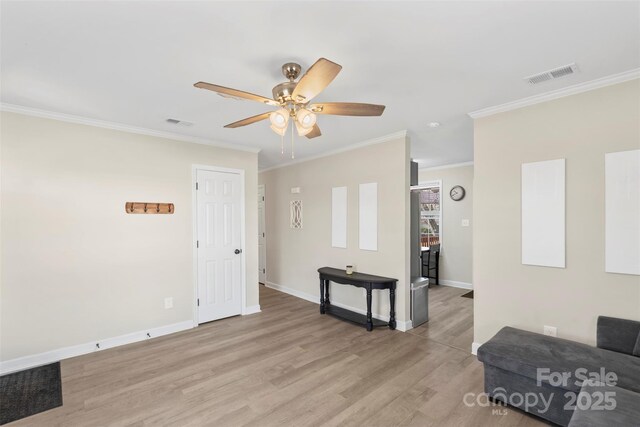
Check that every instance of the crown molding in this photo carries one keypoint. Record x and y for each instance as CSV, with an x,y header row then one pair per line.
x,y
560,93
69,118
449,166
373,141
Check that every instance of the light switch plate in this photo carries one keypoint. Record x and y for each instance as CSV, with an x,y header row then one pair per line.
x,y
465,222
168,302
295,190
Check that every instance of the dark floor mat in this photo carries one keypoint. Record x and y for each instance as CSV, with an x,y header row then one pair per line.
x,y
30,392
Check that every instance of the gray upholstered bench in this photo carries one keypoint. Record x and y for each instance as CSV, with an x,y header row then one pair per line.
x,y
524,369
595,409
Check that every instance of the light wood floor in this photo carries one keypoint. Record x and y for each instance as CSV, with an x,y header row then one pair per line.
x,y
285,366
450,318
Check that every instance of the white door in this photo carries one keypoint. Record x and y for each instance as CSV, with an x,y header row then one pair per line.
x,y
219,246
262,246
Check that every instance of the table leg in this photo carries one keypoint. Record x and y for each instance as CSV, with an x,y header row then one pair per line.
x,y
392,302
321,296
369,317
326,293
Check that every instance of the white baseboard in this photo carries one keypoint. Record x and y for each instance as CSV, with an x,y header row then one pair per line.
x,y
31,361
474,348
404,326
401,326
455,284
251,310
294,292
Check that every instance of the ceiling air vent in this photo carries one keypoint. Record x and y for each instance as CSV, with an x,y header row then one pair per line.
x,y
556,73
179,122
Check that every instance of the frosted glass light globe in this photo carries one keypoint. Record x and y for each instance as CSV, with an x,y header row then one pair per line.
x,y
306,118
279,118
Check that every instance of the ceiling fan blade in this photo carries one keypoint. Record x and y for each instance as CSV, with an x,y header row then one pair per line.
x,y
249,120
347,109
314,132
315,80
235,93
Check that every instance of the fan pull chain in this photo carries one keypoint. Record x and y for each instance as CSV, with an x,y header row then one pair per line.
x,y
282,144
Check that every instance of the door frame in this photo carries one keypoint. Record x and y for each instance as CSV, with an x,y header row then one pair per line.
x,y
194,220
264,213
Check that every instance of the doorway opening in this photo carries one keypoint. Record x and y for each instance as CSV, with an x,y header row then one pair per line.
x,y
437,312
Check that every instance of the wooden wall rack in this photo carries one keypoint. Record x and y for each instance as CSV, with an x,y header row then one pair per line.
x,y
149,208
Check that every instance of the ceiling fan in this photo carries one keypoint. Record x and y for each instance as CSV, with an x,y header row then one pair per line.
x,y
293,100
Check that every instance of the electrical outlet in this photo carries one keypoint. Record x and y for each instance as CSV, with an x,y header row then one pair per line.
x,y
465,223
552,331
168,302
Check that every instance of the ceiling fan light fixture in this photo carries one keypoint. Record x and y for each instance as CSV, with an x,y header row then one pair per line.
x,y
279,118
279,131
305,118
292,99
302,131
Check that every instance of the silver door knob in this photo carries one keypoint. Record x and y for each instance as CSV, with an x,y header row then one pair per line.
x,y
237,251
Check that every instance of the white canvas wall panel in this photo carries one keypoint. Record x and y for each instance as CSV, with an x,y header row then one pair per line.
x,y
368,216
339,217
543,213
622,212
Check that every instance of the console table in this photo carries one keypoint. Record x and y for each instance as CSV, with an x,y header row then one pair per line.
x,y
361,280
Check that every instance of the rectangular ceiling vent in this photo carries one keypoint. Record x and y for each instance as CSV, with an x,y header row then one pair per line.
x,y
179,122
556,73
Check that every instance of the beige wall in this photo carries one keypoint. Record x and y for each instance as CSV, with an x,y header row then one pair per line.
x,y
293,256
76,268
580,128
456,255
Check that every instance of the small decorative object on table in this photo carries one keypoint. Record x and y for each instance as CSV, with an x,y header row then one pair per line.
x,y
349,269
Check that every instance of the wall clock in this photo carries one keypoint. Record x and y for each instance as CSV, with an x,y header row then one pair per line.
x,y
457,193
